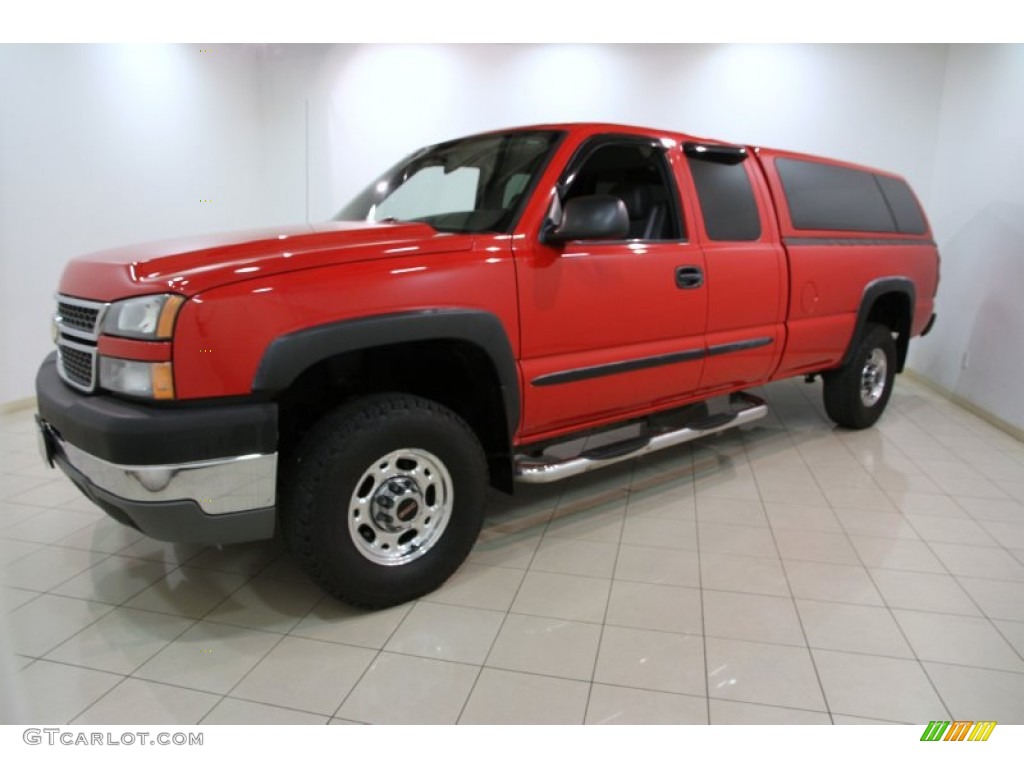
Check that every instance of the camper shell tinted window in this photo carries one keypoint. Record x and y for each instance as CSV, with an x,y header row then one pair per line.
x,y
822,196
908,213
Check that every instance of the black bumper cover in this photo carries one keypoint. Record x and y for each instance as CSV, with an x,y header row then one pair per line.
x,y
125,432
137,434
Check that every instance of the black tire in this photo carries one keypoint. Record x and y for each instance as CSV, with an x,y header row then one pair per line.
x,y
366,493
857,393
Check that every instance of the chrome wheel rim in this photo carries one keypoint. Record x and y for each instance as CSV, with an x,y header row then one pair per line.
x,y
872,378
400,507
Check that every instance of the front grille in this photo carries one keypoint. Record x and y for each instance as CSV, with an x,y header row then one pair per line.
x,y
77,364
78,317
78,324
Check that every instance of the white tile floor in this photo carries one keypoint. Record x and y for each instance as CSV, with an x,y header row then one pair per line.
x,y
786,573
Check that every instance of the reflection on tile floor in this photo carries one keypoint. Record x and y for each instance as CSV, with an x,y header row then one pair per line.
x,y
790,572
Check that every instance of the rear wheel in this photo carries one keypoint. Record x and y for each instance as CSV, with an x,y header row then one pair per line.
x,y
385,499
857,393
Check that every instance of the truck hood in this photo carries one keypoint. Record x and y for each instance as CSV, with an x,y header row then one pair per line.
x,y
191,265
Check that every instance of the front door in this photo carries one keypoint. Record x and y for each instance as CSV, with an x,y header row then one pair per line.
x,y
612,328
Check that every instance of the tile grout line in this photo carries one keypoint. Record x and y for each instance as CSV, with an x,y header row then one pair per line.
x,y
899,627
508,611
376,655
611,588
869,654
892,616
956,579
970,596
189,627
270,650
789,588
700,587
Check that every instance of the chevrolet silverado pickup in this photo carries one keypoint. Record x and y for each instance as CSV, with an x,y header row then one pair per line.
x,y
357,384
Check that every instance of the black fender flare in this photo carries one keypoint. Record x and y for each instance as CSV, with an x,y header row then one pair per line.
x,y
872,292
286,357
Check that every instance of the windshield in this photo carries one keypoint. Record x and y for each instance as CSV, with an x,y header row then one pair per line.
x,y
469,185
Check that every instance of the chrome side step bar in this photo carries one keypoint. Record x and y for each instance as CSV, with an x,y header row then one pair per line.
x,y
743,409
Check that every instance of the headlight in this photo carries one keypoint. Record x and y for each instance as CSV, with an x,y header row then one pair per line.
x,y
147,317
133,377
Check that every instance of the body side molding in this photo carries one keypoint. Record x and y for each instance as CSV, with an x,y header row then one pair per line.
x,y
640,363
801,240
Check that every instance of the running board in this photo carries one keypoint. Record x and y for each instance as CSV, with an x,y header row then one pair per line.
x,y
547,470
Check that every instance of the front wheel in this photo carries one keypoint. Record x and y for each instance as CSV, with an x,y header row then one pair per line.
x,y
857,393
385,499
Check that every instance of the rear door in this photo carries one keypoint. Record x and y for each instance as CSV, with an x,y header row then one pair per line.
x,y
747,284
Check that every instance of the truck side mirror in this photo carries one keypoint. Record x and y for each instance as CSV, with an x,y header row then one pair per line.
x,y
592,217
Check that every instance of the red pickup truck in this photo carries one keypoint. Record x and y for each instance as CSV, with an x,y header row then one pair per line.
x,y
479,307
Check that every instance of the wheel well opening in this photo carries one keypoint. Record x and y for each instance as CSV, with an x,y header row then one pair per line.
x,y
894,311
457,374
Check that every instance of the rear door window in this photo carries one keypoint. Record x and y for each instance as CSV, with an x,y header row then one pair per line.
x,y
726,200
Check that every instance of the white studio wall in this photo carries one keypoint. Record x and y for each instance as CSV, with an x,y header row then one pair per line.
x,y
278,134
370,105
977,208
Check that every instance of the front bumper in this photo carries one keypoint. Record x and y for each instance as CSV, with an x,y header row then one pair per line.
x,y
164,470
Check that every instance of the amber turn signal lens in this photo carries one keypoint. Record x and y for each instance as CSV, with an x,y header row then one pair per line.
x,y
168,314
163,381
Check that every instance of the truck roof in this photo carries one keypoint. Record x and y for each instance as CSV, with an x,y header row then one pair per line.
x,y
586,129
